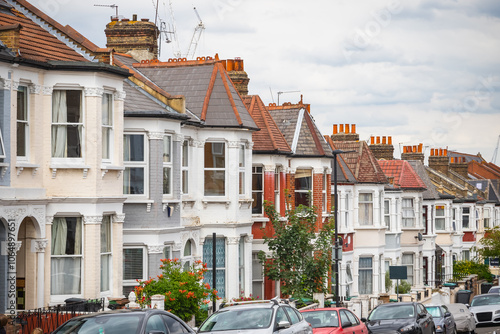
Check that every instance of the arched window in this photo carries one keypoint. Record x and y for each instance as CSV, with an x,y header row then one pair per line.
x,y
187,256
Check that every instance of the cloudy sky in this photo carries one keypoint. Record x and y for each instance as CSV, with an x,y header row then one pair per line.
x,y
421,71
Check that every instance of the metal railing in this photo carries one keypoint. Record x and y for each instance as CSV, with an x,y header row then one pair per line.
x,y
49,318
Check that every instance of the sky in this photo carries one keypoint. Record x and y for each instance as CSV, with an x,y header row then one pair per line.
x,y
421,71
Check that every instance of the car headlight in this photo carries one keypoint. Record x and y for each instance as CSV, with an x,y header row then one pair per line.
x,y
497,311
407,328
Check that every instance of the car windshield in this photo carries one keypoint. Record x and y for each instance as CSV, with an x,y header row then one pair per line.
x,y
256,318
392,312
319,319
495,289
109,324
485,300
435,311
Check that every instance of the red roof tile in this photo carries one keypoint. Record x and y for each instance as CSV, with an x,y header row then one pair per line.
x,y
362,162
269,138
403,173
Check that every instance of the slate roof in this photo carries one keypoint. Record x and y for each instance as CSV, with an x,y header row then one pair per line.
x,y
210,93
344,173
404,175
35,42
431,192
269,139
362,162
468,157
300,131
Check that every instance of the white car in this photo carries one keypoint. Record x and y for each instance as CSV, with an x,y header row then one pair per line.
x,y
464,319
486,308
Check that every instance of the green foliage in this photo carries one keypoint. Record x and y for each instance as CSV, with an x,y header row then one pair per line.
x,y
461,268
404,287
184,291
388,282
490,244
299,257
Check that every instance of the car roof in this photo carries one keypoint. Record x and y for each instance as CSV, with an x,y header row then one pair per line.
x,y
250,305
324,309
397,304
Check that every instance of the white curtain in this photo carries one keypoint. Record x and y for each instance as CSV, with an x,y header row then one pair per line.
x,y
59,115
365,276
107,121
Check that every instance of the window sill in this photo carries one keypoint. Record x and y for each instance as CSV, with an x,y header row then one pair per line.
x,y
207,201
55,167
20,166
148,202
106,168
245,203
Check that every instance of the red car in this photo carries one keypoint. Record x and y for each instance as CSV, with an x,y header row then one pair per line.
x,y
334,320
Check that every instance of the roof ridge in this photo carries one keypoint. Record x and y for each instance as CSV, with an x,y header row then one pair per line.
x,y
269,119
310,125
228,92
206,100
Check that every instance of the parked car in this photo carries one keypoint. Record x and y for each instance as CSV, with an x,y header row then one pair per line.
x,y
494,289
464,319
125,321
486,308
404,317
326,320
443,319
262,317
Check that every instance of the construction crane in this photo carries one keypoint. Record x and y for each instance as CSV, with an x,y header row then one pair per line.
x,y
112,6
198,30
494,158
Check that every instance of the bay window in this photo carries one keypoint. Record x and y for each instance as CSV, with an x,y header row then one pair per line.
x,y
407,261
167,165
215,169
303,187
135,164
134,267
387,213
465,217
67,124
66,256
22,122
105,253
440,218
257,190
185,167
408,212
365,212
486,218
107,125
365,282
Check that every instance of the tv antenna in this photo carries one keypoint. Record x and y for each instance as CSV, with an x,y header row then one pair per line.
x,y
112,6
291,91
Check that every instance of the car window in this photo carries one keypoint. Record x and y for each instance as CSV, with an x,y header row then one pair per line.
x,y
174,326
155,323
281,315
322,318
298,314
295,319
343,317
233,319
434,311
354,320
421,309
485,300
106,324
392,312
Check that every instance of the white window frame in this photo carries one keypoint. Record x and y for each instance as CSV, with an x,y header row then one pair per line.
x,y
361,269
2,147
25,123
167,165
346,209
466,255
70,160
408,212
167,251
241,264
324,192
137,164
257,280
468,215
410,271
185,167
133,282
486,218
107,129
216,169
387,213
188,257
305,191
107,253
241,169
440,218
258,170
277,189
361,208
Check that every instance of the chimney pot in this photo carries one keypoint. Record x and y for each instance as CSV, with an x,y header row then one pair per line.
x,y
378,140
420,147
341,128
372,140
384,140
353,128
134,17
335,129
125,20
145,20
347,128
390,140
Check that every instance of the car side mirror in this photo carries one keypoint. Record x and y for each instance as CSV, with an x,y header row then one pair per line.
x,y
363,319
283,324
421,315
447,314
346,324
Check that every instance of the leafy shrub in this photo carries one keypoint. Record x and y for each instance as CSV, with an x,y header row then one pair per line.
x,y
404,287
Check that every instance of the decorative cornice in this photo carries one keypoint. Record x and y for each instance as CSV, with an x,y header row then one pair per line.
x,y
92,220
152,135
155,249
40,245
198,143
35,89
47,90
119,218
49,220
178,137
177,247
233,144
233,240
319,170
15,85
93,91
249,238
7,84
269,168
249,145
119,95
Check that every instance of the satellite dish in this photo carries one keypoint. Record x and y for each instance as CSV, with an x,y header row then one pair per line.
x,y
419,237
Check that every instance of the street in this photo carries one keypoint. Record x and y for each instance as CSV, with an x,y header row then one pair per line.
x,y
488,330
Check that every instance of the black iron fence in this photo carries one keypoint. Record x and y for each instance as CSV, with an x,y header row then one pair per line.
x,y
49,318
441,279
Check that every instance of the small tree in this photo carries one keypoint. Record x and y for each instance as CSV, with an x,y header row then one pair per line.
x,y
482,270
300,258
184,291
490,243
388,282
403,287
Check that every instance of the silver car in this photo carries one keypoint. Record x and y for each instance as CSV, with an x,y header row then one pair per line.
x,y
464,319
486,308
264,317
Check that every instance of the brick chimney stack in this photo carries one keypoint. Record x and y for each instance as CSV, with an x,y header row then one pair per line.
x,y
9,35
137,38
460,166
439,160
236,72
413,153
342,133
382,148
